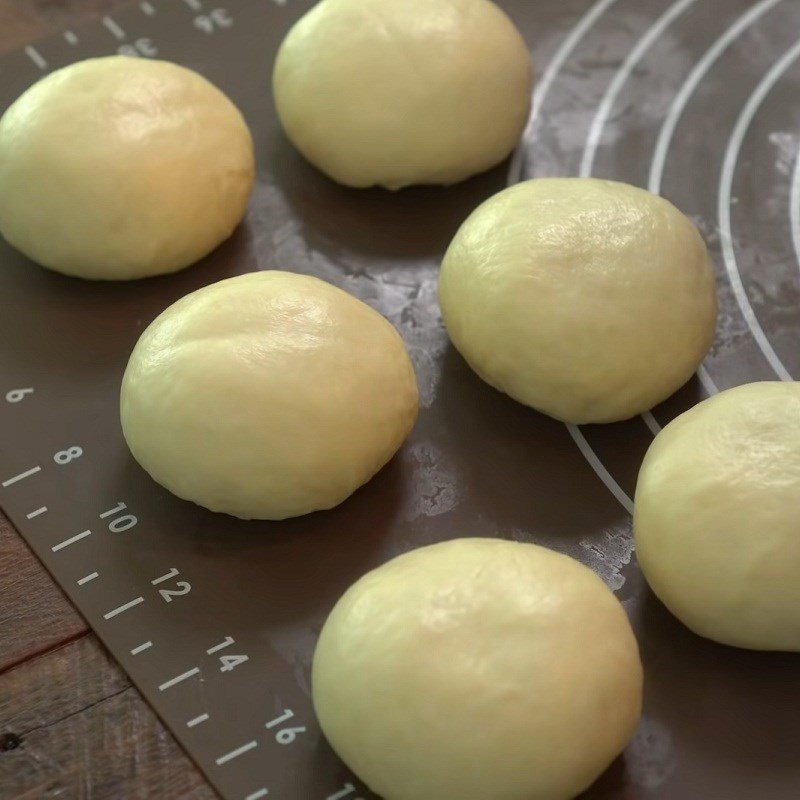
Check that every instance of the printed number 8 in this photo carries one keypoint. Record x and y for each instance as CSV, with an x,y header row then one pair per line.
x,y
70,454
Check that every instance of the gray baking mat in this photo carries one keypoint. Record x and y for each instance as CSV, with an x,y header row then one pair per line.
x,y
698,99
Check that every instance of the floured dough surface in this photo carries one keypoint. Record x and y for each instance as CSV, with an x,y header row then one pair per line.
x,y
401,92
717,517
267,396
589,300
478,669
116,168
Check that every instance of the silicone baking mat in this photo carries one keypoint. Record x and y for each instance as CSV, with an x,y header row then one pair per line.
x,y
215,619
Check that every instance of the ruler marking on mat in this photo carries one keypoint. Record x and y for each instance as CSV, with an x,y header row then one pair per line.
x,y
86,578
236,753
114,28
36,513
35,56
130,604
147,8
178,678
72,539
21,476
141,648
257,795
197,720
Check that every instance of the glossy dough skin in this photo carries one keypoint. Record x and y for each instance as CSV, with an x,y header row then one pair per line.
x,y
267,396
717,517
478,669
117,168
589,300
401,92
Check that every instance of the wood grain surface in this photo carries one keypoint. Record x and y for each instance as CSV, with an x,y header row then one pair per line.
x,y
72,726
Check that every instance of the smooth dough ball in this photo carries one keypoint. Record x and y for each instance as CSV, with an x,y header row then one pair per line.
x,y
589,300
117,168
400,92
717,517
478,669
267,396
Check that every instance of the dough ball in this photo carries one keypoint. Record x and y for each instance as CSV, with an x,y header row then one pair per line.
x,y
478,669
589,300
401,92
717,517
117,168
267,396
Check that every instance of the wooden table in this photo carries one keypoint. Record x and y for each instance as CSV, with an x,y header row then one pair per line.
x,y
71,723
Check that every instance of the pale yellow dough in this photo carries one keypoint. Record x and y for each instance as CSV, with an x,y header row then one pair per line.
x,y
267,396
717,517
401,92
478,669
589,300
117,168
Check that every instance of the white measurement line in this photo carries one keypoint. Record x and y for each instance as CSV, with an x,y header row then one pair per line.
x,y
113,27
196,721
257,795
71,38
178,678
72,539
125,607
701,69
651,423
147,8
732,151
195,5
90,577
564,51
141,648
794,208
36,513
600,469
236,753
634,57
21,476
35,56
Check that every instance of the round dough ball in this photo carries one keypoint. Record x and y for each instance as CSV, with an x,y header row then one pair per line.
x,y
478,669
717,517
267,396
589,300
117,168
401,92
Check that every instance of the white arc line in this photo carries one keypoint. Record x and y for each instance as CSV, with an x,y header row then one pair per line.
x,y
690,85
113,27
178,678
197,720
236,753
551,72
36,513
794,208
21,476
725,190
678,106
71,38
35,56
597,465
72,539
651,422
619,80
124,607
87,578
141,648
257,795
